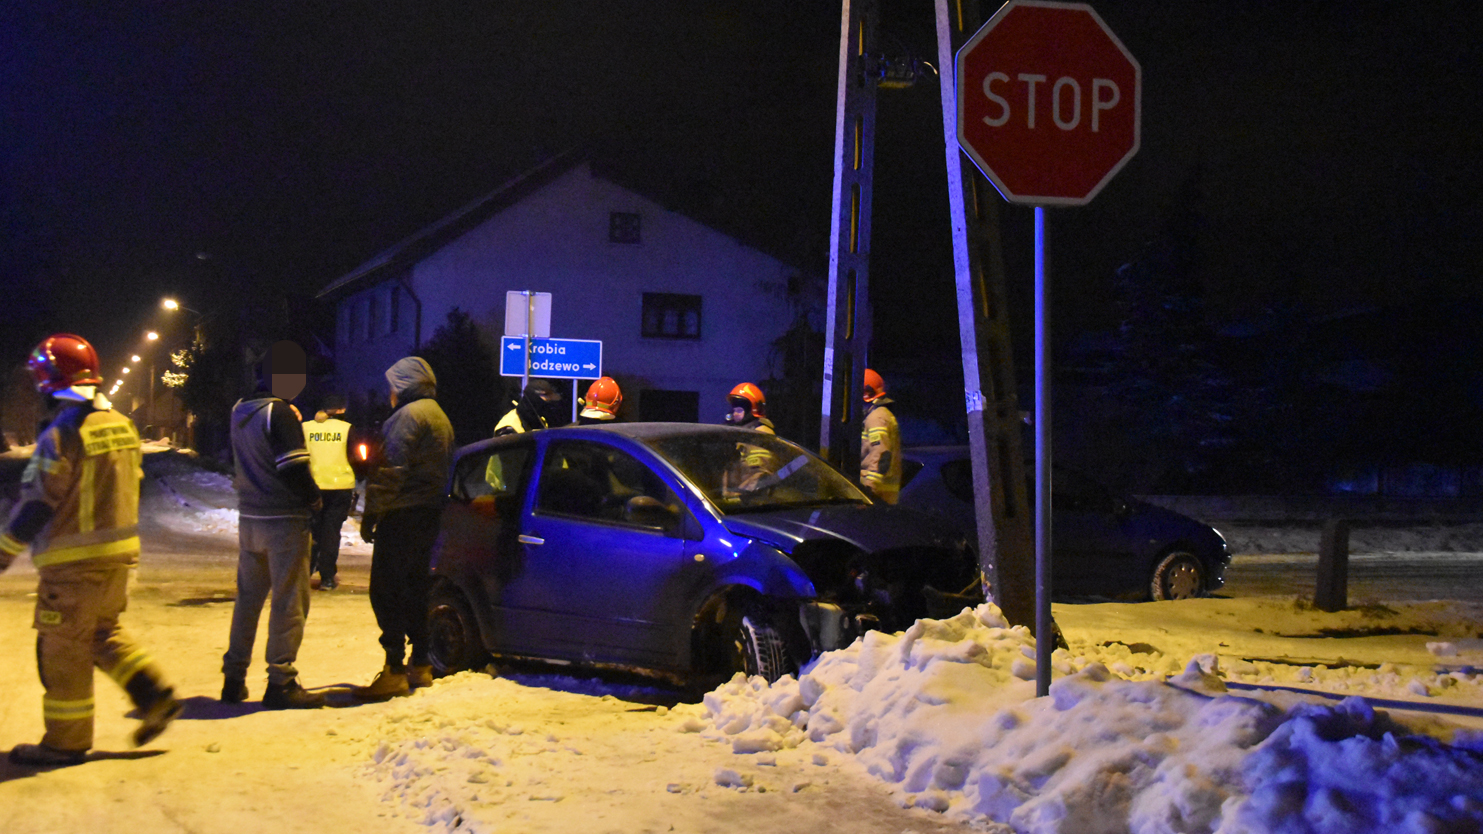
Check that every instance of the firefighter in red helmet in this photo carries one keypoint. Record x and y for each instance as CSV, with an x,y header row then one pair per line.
x,y
880,443
754,462
79,513
602,402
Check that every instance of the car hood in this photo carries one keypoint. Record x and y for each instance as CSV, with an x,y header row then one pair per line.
x,y
872,528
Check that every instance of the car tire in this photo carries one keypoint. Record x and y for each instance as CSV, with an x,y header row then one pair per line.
x,y
1178,575
760,649
453,634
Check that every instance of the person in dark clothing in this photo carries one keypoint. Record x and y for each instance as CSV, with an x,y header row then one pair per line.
x,y
404,497
276,497
537,409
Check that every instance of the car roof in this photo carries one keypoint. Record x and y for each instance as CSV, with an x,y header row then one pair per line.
x,y
635,431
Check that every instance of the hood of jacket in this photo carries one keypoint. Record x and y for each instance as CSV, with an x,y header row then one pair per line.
x,y
411,378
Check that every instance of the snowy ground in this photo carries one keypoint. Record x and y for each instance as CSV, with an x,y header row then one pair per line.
x,y
1224,714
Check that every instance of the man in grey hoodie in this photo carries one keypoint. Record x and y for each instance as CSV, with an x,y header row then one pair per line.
x,y
404,498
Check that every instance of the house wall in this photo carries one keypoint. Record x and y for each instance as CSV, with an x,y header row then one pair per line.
x,y
557,240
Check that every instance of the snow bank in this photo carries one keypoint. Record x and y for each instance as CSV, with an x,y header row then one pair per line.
x,y
945,714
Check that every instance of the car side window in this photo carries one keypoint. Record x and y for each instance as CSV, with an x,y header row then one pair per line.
x,y
598,482
499,473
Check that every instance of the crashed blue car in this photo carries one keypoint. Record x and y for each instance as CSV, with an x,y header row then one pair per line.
x,y
685,551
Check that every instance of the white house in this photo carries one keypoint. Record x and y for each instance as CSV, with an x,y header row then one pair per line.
x,y
684,312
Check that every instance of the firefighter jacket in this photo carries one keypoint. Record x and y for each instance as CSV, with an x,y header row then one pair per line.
x,y
880,451
80,492
418,447
328,442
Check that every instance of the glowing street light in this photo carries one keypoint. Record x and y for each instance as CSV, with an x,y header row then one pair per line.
x,y
134,358
151,335
126,369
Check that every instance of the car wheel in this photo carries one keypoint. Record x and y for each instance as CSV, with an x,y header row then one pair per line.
x,y
760,649
1179,575
453,634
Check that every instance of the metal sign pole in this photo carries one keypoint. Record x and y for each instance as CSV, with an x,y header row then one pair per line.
x,y
530,314
1045,641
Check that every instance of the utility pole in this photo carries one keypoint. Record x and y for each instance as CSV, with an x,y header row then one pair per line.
x,y
847,328
1002,509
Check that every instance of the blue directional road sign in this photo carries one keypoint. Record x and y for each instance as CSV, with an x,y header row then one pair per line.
x,y
552,358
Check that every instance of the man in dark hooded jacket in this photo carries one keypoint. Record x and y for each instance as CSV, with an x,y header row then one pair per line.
x,y
404,497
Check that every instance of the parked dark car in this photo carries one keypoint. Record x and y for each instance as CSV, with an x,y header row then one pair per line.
x,y
662,548
1102,544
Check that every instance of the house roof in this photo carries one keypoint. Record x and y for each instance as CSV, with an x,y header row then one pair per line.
x,y
432,237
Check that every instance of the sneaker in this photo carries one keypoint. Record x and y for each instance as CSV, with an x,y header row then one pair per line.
x,y
419,676
291,696
389,683
329,584
44,755
157,717
233,690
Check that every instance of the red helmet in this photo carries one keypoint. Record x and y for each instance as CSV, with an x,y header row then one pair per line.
x,y
875,387
750,397
62,361
602,400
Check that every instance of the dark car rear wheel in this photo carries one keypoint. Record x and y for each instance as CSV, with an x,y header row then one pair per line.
x,y
1178,575
453,633
760,648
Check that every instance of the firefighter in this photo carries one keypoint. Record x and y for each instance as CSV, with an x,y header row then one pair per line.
x,y
754,462
880,443
79,512
601,403
532,412
327,437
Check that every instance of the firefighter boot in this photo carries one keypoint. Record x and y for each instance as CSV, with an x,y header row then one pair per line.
x,y
390,682
233,690
157,706
44,755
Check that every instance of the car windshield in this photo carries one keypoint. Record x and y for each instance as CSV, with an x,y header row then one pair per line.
x,y
743,471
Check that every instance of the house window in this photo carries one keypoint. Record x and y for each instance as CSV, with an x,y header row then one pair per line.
x,y
623,227
344,323
373,311
671,316
396,309
669,406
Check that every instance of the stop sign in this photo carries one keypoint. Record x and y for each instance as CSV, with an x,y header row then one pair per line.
x,y
1049,102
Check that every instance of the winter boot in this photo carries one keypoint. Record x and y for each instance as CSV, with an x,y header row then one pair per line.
x,y
44,755
419,675
156,717
389,683
233,690
291,696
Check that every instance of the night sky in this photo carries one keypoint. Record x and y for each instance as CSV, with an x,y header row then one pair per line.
x,y
1332,147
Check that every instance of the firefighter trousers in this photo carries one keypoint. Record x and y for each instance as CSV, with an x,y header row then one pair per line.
x,y
77,609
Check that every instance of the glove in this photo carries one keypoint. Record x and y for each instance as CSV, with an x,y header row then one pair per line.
x,y
368,527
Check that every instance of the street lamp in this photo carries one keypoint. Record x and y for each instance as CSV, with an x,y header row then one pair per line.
x,y
151,335
134,358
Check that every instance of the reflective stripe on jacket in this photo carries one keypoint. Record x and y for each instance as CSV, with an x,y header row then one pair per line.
x,y
880,452
87,467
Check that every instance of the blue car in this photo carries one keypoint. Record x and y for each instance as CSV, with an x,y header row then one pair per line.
x,y
1102,544
685,551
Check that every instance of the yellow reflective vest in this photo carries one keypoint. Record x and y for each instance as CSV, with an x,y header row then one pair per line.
x,y
880,452
329,461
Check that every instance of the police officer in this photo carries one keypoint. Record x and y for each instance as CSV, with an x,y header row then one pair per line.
x,y
79,512
327,438
534,410
880,443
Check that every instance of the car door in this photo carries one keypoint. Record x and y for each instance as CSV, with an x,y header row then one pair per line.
x,y
601,556
1094,552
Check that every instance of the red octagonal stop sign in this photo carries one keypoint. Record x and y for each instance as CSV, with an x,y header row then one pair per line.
x,y
1049,102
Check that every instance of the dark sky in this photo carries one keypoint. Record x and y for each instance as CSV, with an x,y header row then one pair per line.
x,y
1334,146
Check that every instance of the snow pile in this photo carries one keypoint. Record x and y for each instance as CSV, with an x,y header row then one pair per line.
x,y
945,714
